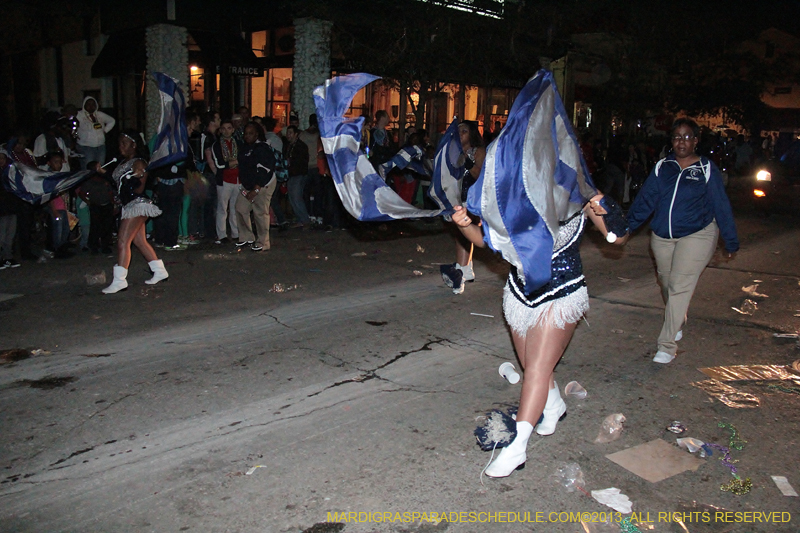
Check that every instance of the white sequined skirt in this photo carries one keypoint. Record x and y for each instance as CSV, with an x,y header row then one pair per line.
x,y
140,207
556,313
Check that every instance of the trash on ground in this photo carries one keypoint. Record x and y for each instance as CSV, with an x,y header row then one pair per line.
x,y
358,254
748,307
313,256
39,351
249,472
752,291
728,395
676,427
497,430
783,485
624,280
420,249
751,372
786,335
692,525
376,323
655,460
418,272
410,261
481,314
223,257
613,497
95,279
574,388
611,428
13,355
618,331
280,287
570,476
693,445
509,373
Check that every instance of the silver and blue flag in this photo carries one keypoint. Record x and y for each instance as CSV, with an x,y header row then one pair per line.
x,y
172,137
38,186
533,177
364,193
445,187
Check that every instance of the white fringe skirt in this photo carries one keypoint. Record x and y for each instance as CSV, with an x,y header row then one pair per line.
x,y
140,207
557,313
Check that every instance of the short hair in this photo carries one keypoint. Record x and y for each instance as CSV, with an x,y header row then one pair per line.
x,y
209,117
191,116
685,122
381,113
226,120
269,123
293,128
50,155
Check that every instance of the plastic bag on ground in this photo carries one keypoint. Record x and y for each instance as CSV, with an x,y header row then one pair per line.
x,y
570,476
611,428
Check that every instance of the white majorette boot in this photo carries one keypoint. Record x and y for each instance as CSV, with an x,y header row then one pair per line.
x,y
469,273
119,283
513,456
159,272
554,410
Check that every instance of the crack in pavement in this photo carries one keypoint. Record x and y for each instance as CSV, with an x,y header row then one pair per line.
x,y
277,321
368,374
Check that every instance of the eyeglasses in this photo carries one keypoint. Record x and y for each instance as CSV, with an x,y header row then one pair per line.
x,y
687,137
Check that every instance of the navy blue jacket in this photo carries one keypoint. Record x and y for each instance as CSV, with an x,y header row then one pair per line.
x,y
685,201
256,165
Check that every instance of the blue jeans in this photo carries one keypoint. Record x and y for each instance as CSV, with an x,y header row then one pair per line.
x,y
92,153
297,187
60,229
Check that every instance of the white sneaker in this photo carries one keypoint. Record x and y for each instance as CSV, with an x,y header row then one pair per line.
x,y
469,273
679,336
663,357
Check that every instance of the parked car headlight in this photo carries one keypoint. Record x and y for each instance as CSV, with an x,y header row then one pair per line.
x,y
763,175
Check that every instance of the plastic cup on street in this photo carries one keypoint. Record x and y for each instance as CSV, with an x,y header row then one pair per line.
x,y
509,373
574,388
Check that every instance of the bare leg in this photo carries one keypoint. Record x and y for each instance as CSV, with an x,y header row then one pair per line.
x,y
542,348
463,251
128,228
140,240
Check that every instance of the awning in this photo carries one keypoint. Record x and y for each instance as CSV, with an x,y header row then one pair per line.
x,y
123,53
229,54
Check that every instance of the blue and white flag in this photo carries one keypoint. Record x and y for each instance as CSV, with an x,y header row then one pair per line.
x,y
533,177
364,194
172,137
445,187
37,186
408,157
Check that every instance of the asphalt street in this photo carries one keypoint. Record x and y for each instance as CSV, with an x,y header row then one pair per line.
x,y
337,374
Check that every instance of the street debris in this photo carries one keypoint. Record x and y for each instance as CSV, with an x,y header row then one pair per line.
x,y
13,355
613,497
676,427
611,428
481,314
496,430
752,372
786,335
39,351
693,445
359,254
752,291
574,388
417,272
618,331
223,257
47,383
253,469
509,373
95,279
280,287
313,256
783,485
420,249
737,485
624,280
655,461
748,307
570,476
728,395
376,323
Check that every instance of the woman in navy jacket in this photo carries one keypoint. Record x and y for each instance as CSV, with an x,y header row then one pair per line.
x,y
686,197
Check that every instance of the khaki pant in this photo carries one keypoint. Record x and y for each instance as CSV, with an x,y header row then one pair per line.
x,y
680,263
260,209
